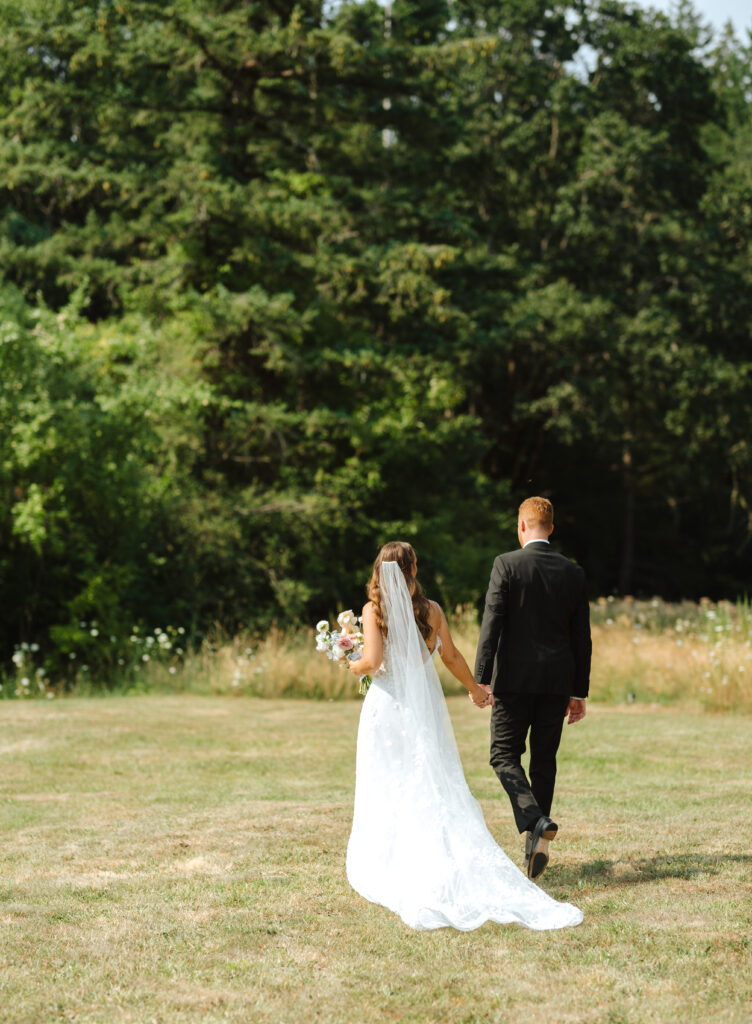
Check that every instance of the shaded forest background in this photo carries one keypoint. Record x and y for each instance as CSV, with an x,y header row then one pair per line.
x,y
281,281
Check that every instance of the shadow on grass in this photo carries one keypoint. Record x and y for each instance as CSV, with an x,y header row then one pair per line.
x,y
632,871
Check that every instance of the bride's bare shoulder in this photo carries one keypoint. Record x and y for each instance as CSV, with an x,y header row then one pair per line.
x,y
436,610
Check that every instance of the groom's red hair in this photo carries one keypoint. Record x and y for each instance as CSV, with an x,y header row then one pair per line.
x,y
537,512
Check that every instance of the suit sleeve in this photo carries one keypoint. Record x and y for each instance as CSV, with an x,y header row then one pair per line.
x,y
582,646
494,614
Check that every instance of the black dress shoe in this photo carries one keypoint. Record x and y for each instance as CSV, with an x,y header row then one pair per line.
x,y
537,845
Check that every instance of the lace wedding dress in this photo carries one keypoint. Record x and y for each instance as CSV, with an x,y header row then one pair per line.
x,y
419,844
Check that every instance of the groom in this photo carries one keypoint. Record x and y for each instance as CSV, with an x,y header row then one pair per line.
x,y
534,655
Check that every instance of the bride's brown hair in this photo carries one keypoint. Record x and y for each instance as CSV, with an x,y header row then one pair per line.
x,y
401,552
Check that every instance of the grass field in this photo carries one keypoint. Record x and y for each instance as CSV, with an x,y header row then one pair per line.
x,y
181,859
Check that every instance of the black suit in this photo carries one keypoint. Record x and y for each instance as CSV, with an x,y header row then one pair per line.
x,y
534,650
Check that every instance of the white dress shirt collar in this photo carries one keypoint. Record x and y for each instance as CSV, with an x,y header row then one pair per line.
x,y
535,540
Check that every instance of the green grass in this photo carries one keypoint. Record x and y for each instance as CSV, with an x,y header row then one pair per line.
x,y
181,859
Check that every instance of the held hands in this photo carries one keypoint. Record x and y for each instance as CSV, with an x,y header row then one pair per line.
x,y
575,710
481,696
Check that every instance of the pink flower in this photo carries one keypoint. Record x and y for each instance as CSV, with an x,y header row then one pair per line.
x,y
346,643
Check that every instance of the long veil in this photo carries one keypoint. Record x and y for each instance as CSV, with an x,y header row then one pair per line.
x,y
419,844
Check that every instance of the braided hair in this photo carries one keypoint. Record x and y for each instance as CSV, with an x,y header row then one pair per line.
x,y
401,552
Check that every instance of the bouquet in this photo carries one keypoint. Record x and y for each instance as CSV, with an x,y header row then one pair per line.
x,y
343,642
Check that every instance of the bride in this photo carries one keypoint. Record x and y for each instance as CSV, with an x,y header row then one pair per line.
x,y
419,844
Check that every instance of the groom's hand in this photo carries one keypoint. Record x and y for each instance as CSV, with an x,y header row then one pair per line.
x,y
575,710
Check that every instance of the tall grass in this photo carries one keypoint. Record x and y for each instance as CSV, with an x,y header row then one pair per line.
x,y
643,651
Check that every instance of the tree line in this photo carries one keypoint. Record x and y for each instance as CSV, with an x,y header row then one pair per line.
x,y
282,281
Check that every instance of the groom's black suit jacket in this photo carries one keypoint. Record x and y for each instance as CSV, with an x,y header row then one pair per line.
x,y
535,634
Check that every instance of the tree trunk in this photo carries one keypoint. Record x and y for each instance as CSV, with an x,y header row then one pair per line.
x,y
626,569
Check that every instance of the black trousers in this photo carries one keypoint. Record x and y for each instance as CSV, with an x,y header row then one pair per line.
x,y
512,715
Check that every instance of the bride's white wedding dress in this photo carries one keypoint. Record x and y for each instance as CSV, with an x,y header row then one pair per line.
x,y
419,844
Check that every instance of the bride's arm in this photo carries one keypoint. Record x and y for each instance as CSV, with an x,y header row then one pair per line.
x,y
373,645
455,662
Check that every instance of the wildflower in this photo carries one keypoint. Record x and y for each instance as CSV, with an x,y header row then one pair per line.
x,y
94,632
24,682
18,659
50,696
72,655
34,648
173,670
145,657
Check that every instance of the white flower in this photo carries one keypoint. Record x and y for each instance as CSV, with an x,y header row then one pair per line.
x,y
93,632
24,682
338,654
50,696
322,645
34,647
145,657
322,626
18,659
173,670
72,655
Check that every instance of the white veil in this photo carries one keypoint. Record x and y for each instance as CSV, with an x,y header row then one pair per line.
x,y
405,648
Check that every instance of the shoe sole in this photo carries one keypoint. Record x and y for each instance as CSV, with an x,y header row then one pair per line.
x,y
538,864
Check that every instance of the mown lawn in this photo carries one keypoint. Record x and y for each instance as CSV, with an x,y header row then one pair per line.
x,y
181,859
